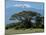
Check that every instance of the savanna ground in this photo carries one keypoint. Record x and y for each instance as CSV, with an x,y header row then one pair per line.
x,y
23,31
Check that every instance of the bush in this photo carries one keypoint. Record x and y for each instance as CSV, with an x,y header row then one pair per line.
x,y
6,27
16,27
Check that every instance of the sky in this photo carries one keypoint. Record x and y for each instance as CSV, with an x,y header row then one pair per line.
x,y
13,7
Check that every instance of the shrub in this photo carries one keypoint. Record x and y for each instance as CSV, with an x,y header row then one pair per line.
x,y
16,27
6,27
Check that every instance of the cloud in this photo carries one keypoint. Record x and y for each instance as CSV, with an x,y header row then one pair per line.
x,y
19,5
27,5
22,5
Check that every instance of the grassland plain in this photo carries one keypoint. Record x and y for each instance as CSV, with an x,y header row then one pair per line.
x,y
23,31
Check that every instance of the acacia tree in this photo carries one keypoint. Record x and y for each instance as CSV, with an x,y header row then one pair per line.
x,y
25,17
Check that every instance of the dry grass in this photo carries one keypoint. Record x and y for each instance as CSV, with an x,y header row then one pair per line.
x,y
23,31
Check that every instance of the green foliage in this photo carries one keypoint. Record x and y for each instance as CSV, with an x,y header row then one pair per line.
x,y
11,25
6,27
39,21
17,27
25,17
